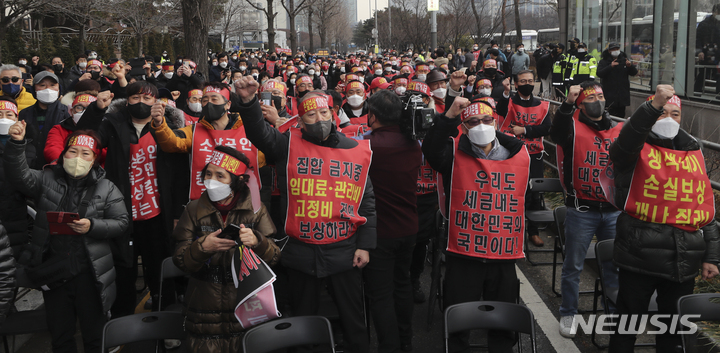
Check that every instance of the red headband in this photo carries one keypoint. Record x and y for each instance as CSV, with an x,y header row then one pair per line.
x,y
422,67
588,91
5,105
354,84
490,61
193,92
419,87
351,77
476,109
272,84
304,79
400,80
490,101
674,100
168,67
225,161
84,141
83,98
190,63
312,104
223,91
95,62
483,82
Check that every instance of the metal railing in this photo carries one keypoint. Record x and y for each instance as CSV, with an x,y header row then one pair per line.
x,y
704,143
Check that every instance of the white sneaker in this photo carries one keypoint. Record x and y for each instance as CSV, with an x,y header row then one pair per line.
x,y
566,323
115,349
172,344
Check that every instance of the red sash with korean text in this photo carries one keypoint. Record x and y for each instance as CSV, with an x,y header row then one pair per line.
x,y
487,212
590,157
204,142
325,187
271,68
427,181
522,116
671,187
143,179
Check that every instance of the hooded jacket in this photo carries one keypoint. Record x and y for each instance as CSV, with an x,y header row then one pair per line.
x,y
654,249
211,295
49,189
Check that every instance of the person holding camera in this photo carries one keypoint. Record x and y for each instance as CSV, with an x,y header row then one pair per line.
x,y
330,231
203,251
488,171
615,70
393,172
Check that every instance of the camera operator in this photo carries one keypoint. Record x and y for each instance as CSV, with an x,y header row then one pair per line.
x,y
395,166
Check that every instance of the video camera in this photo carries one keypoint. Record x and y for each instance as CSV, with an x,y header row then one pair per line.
x,y
416,118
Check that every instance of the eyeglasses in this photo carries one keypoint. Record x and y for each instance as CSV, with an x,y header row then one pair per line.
x,y
78,108
14,79
487,120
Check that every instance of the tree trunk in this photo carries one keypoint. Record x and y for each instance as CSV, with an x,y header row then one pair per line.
x,y
504,27
196,25
140,43
322,31
82,38
293,33
271,25
3,31
310,29
478,23
518,26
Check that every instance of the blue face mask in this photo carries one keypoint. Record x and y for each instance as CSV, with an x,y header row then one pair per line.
x,y
11,89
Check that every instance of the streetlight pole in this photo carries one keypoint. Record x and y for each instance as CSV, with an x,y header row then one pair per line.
x,y
377,36
389,25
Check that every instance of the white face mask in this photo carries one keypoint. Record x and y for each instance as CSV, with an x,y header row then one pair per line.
x,y
302,67
82,65
432,67
47,96
252,56
615,53
440,92
666,128
317,73
342,69
388,69
400,90
362,79
378,72
215,63
77,116
234,57
355,100
22,62
168,75
717,17
195,107
5,125
76,167
581,50
292,81
485,91
521,50
311,72
421,77
223,64
216,190
482,134
255,76
242,68
394,63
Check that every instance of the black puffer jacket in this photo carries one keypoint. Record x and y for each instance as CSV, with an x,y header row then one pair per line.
x,y
650,248
7,275
617,78
13,207
316,260
56,112
49,188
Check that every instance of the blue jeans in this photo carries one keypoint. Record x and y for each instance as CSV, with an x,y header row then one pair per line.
x,y
579,230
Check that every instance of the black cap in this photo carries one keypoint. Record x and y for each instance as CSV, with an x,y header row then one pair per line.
x,y
561,46
613,45
582,45
576,40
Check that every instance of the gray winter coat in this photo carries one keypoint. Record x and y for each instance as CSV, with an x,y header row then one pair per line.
x,y
48,188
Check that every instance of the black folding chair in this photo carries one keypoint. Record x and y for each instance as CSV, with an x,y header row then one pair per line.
x,y
490,315
436,242
559,244
289,332
604,254
157,325
168,270
706,307
541,186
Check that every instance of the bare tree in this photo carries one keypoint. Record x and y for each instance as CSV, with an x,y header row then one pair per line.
x,y
82,13
13,10
325,12
458,21
293,10
145,16
270,15
518,25
197,20
232,20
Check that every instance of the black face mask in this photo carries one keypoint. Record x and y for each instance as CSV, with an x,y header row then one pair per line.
x,y
526,90
212,112
57,68
301,94
95,75
139,110
277,102
594,109
490,71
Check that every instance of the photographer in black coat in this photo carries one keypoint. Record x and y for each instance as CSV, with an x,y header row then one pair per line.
x,y
615,70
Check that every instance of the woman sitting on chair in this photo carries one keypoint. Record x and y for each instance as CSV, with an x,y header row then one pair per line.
x,y
210,299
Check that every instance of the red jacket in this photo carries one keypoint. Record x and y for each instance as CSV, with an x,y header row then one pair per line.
x,y
55,144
